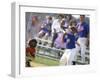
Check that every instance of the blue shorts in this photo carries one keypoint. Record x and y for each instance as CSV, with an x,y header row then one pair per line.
x,y
46,31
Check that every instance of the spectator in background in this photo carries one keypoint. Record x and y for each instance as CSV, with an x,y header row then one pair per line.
x,y
46,28
83,33
69,18
56,27
32,28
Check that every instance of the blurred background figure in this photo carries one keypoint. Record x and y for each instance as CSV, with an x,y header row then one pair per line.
x,y
64,24
58,43
83,33
46,27
32,28
56,27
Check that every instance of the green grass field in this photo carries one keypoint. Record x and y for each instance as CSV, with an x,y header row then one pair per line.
x,y
46,61
43,61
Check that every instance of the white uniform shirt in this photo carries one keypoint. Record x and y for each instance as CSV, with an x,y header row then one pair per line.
x,y
56,26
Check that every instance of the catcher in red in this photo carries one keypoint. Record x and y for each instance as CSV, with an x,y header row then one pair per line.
x,y
30,51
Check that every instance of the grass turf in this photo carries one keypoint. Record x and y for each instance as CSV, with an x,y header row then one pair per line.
x,y
46,61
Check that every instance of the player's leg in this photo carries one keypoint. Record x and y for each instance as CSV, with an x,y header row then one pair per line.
x,y
82,42
40,34
72,56
28,62
55,35
83,49
69,62
63,60
46,36
77,50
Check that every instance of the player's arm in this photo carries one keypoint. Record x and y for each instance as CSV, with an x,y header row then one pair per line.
x,y
79,29
28,54
76,38
65,38
77,43
68,40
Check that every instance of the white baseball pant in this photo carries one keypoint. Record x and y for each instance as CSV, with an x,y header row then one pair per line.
x,y
82,42
68,57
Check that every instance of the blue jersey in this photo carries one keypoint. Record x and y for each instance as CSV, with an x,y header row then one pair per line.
x,y
47,26
71,40
83,29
